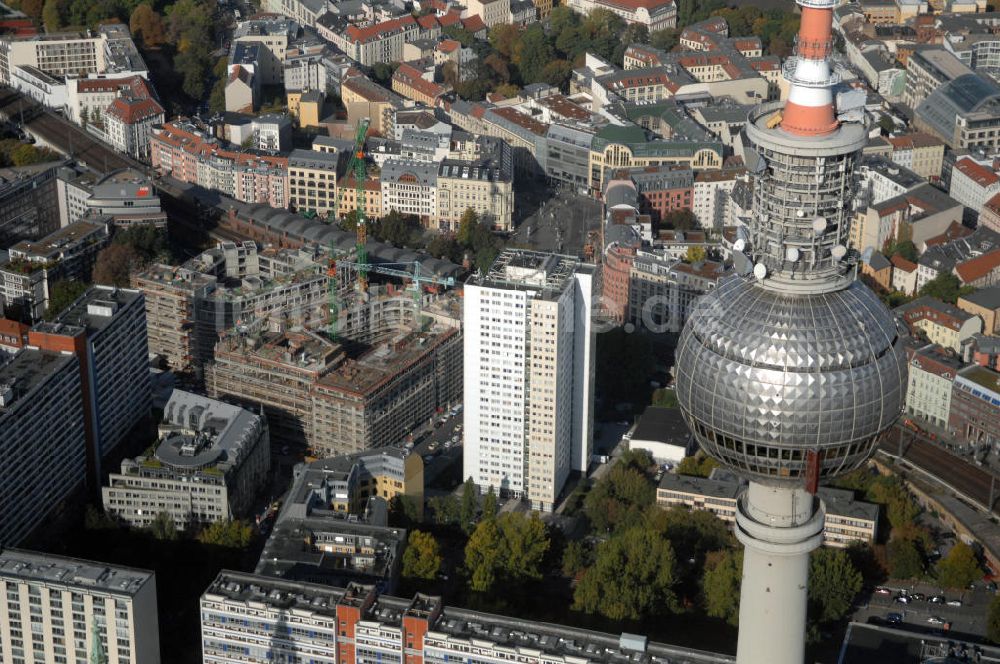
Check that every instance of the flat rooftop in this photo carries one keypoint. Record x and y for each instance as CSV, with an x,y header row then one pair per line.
x,y
363,375
503,631
521,269
92,311
71,572
27,370
53,243
662,425
222,431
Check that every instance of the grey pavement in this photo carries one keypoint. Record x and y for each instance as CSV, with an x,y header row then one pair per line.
x,y
968,619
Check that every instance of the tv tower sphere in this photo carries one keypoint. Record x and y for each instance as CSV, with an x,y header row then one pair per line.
x,y
791,369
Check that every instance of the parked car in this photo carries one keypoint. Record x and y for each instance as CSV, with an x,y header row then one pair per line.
x,y
919,597
903,599
937,599
894,618
954,602
934,620
882,590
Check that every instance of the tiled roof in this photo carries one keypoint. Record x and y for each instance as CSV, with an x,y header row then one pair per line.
x,y
131,111
379,30
978,267
979,174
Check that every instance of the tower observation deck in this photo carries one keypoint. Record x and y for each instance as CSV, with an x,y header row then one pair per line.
x,y
791,370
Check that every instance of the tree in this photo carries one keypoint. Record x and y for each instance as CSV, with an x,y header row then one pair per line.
x,y
698,465
665,398
557,73
681,220
147,26
692,533
490,504
632,577
904,559
695,254
510,548
422,558
114,265
232,534
469,505
532,53
50,16
466,227
445,509
61,295
959,568
619,499
33,8
507,90
576,558
993,620
904,248
663,39
163,527
720,585
887,124
217,98
382,72
404,511
483,556
945,287
834,582
193,65
504,38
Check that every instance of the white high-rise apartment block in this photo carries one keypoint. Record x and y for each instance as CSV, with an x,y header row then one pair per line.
x,y
54,607
529,375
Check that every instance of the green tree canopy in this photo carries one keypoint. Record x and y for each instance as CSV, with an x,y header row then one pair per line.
x,y
993,620
693,533
576,558
620,498
904,559
834,582
697,465
233,534
632,577
721,584
61,295
469,505
114,265
163,527
945,287
959,567
490,504
422,558
510,548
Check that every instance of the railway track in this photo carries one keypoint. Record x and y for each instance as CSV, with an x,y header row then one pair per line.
x,y
972,481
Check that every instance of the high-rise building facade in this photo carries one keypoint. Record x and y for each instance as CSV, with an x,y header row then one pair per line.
x,y
55,607
529,375
791,370
106,330
42,441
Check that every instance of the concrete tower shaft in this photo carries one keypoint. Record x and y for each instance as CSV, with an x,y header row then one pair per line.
x,y
791,370
809,110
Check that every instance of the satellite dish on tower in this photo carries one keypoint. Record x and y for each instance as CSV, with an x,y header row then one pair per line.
x,y
839,251
791,254
760,271
819,224
739,245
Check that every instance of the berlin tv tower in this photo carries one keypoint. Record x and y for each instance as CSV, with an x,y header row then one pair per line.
x,y
791,370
